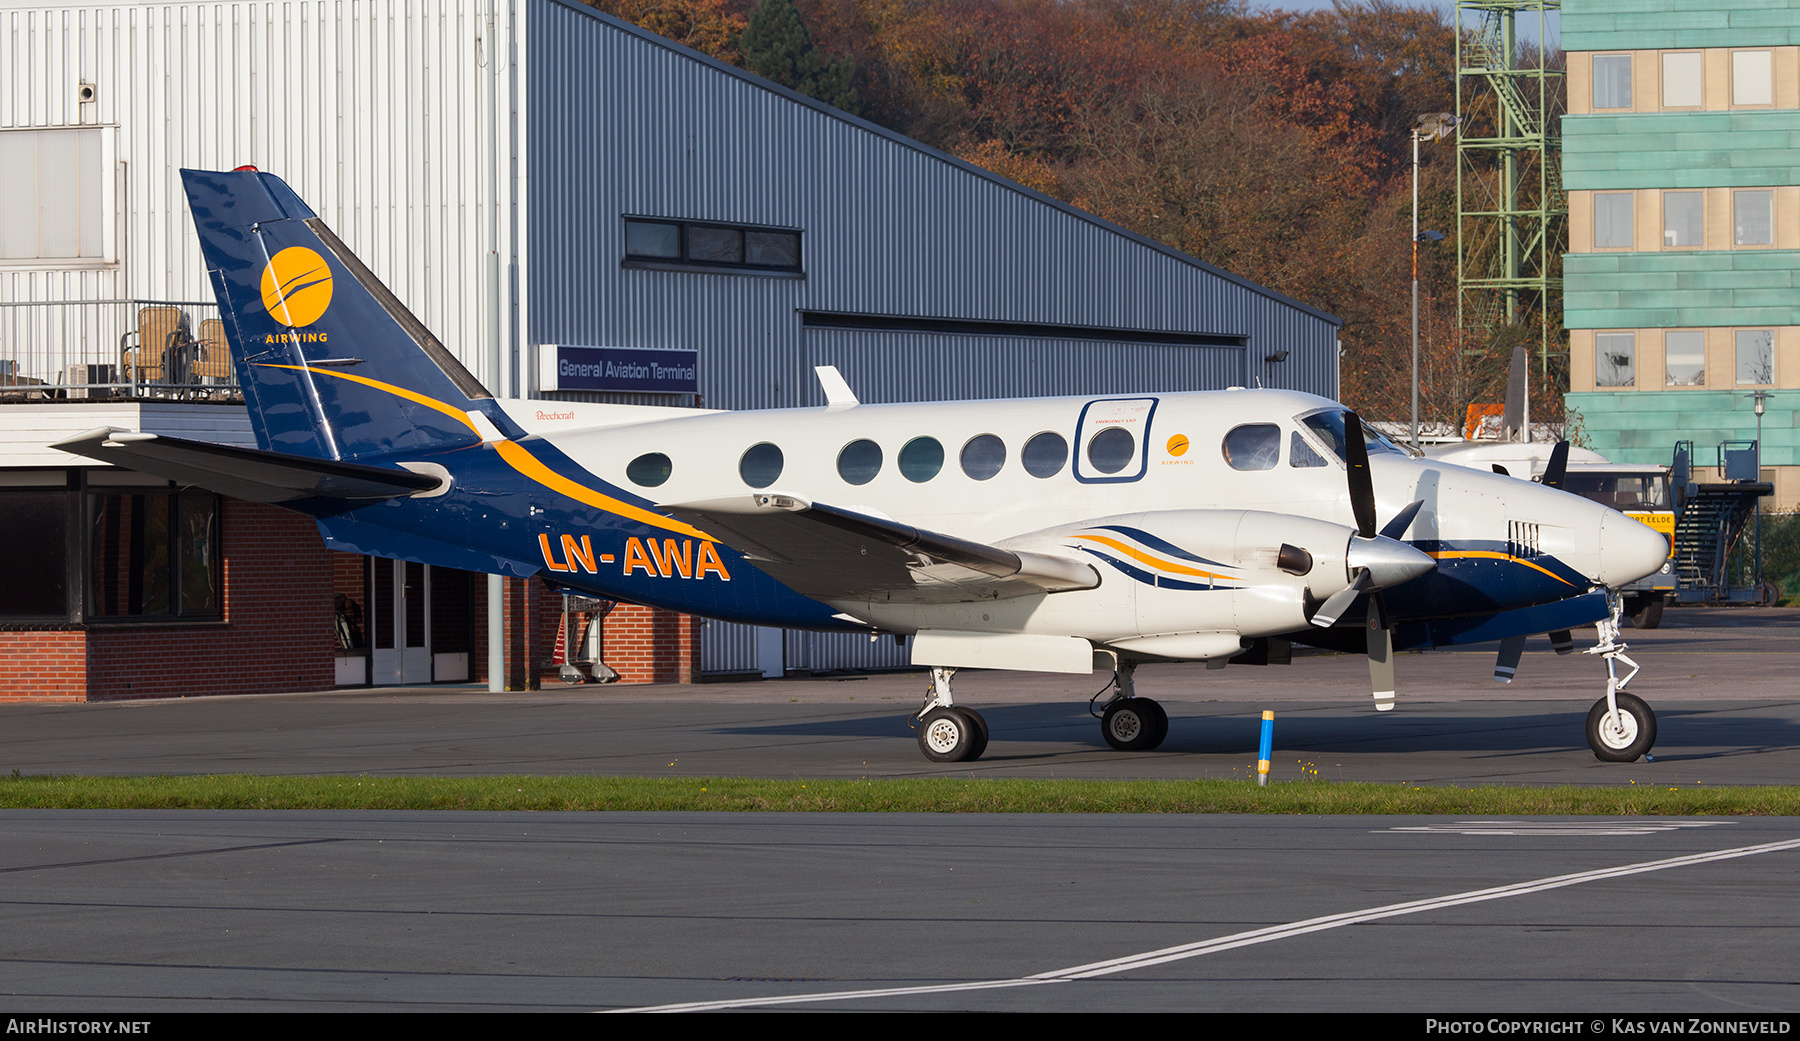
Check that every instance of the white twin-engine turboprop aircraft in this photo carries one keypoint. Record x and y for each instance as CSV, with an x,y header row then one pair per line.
x,y
1041,534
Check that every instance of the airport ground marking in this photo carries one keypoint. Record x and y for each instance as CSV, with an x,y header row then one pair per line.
x,y
1147,959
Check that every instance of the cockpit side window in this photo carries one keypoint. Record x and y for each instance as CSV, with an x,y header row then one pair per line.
x,y
1253,446
1300,453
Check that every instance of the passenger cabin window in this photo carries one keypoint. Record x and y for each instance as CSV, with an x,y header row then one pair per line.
x,y
1045,454
649,470
1111,450
1254,446
983,456
921,459
760,465
859,461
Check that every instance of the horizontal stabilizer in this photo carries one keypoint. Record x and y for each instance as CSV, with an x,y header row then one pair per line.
x,y
837,555
246,473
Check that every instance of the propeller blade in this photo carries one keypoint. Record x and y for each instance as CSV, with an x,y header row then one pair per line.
x,y
1511,650
1402,520
1362,486
1333,609
1381,661
1562,641
1558,468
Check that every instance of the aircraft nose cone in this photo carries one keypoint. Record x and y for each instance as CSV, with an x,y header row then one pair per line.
x,y
1629,550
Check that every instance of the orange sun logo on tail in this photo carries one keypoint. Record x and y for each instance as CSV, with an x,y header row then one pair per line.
x,y
296,286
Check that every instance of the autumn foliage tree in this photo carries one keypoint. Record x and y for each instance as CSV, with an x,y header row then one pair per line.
x,y
1273,144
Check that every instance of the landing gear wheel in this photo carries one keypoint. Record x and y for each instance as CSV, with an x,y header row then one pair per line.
x,y
1627,738
946,735
1134,724
1162,721
978,733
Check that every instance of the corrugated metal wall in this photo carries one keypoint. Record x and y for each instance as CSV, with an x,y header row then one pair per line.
x,y
619,125
920,366
889,228
372,111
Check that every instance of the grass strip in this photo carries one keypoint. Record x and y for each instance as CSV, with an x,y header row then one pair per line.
x,y
916,795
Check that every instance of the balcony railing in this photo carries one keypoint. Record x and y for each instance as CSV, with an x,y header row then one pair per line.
x,y
114,349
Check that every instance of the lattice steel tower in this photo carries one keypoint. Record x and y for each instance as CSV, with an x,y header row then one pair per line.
x,y
1511,210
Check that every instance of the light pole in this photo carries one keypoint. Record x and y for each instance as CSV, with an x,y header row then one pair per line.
x,y
1759,397
1429,127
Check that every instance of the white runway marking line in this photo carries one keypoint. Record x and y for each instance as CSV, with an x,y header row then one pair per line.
x,y
1255,936
1587,828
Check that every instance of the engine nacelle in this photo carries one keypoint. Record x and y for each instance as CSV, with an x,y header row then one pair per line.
x,y
1200,579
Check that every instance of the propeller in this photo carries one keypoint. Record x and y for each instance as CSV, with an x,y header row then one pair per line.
x,y
1556,471
1376,559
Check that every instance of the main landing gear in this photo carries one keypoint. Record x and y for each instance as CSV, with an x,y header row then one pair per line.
x,y
1620,727
948,734
1130,723
952,734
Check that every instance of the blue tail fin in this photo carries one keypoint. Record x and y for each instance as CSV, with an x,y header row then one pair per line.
x,y
333,366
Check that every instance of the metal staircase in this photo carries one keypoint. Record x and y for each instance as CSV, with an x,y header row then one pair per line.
x,y
1710,519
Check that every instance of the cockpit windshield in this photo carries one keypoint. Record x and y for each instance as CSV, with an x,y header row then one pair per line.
x,y
1329,425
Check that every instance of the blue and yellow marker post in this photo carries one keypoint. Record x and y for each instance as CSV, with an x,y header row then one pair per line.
x,y
1266,748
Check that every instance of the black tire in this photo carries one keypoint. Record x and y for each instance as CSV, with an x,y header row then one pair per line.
x,y
947,736
1129,725
1650,615
979,732
1161,718
1639,730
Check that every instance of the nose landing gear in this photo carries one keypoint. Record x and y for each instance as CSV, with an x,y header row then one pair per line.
x,y
1620,727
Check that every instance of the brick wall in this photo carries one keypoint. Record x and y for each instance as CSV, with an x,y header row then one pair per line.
x,y
276,634
43,666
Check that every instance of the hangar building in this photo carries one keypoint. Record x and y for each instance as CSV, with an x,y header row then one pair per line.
x,y
532,179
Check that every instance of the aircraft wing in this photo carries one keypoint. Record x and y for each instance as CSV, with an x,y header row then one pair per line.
x,y
833,554
246,473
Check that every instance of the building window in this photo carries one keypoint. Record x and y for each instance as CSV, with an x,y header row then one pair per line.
x,y
1615,361
1612,81
1681,78
1612,220
710,247
1684,216
54,207
34,529
1684,358
1756,356
1752,78
153,555
1753,215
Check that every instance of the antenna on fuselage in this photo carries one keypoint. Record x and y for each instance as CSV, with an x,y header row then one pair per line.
x,y
837,389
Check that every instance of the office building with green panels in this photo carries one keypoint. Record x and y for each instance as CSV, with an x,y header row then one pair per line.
x,y
1681,288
